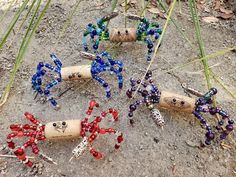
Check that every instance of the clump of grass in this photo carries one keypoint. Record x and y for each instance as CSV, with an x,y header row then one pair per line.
x,y
13,22
33,24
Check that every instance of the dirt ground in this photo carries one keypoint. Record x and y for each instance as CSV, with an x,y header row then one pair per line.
x,y
147,151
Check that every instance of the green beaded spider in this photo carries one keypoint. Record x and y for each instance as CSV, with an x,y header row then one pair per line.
x,y
148,32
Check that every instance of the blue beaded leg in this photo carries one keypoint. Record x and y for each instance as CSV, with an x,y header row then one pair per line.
x,y
104,84
96,33
104,63
38,77
116,67
149,33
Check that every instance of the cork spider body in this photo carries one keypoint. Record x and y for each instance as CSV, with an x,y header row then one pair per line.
x,y
63,129
102,63
146,31
152,97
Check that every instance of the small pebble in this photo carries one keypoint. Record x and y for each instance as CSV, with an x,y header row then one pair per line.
x,y
156,140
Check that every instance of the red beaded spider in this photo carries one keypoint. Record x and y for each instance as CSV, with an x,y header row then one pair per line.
x,y
63,129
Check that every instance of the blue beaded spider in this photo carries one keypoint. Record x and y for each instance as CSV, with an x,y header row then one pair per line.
x,y
151,97
103,62
146,31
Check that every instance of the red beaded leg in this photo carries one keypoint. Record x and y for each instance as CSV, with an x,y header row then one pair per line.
x,y
95,153
94,129
35,132
118,134
92,104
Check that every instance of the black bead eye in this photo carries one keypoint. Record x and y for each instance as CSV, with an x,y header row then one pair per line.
x,y
54,124
118,32
126,32
79,75
182,102
174,100
64,123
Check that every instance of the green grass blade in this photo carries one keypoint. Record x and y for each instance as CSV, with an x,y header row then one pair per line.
x,y
23,22
177,26
68,21
113,6
23,43
219,53
193,10
217,79
144,8
126,8
13,22
7,10
22,50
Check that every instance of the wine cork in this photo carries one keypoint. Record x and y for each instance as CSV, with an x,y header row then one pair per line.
x,y
177,102
63,129
122,34
76,72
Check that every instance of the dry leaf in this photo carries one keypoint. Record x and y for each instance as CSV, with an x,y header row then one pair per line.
x,y
123,3
168,2
154,10
200,7
226,11
210,19
217,5
226,16
202,1
131,2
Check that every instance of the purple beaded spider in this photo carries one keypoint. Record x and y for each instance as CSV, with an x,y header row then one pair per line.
x,y
151,97
103,62
148,32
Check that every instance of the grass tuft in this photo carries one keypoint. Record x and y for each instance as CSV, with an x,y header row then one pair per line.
x,y
34,22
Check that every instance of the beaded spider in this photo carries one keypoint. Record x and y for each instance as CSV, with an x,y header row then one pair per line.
x,y
37,132
146,31
103,62
151,97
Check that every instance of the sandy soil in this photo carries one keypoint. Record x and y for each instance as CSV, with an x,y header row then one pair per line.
x,y
147,151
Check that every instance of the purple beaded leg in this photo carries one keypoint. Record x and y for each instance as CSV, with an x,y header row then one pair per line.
x,y
132,108
150,95
224,117
204,105
209,135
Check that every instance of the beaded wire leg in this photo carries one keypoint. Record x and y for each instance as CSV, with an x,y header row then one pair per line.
x,y
148,32
36,133
151,96
97,32
95,130
204,105
37,79
102,63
